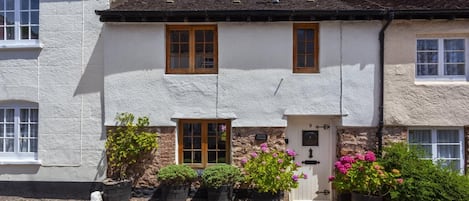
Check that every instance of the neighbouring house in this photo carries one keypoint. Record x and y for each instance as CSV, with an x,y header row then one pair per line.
x,y
51,88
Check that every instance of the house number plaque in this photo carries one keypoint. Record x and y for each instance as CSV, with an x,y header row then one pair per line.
x,y
310,138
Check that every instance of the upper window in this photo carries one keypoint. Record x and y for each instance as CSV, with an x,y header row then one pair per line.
x,y
441,58
19,21
18,133
305,48
191,49
440,145
204,142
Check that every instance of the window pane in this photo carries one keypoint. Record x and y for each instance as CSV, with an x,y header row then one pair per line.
x,y
10,130
33,144
300,35
426,150
447,136
427,69
199,36
187,157
34,32
34,131
10,115
34,17
197,143
10,4
2,5
10,33
212,156
24,18
24,130
10,18
427,44
309,34
1,131
197,157
2,115
427,57
420,136
34,4
455,69
180,36
209,36
2,30
309,60
454,44
1,145
23,145
212,129
309,48
300,60
24,4
451,164
448,151
222,143
300,48
174,49
34,115
221,157
24,115
24,32
454,57
187,143
212,143
9,145
187,129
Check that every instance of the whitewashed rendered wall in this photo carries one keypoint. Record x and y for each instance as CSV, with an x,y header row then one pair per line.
x,y
255,83
419,103
65,78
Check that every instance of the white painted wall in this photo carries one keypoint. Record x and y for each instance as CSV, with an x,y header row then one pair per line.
x,y
422,103
255,84
65,78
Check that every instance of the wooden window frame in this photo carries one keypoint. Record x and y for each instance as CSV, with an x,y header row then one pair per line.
x,y
315,67
204,139
192,69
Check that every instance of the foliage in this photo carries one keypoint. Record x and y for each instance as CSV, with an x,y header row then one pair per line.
x,y
424,179
176,175
272,170
126,143
223,174
362,174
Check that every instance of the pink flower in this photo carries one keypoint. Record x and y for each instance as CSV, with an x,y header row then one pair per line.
x,y
254,154
223,128
370,156
305,176
400,181
291,152
265,149
294,177
275,155
359,157
377,167
278,177
347,166
244,161
280,161
343,170
298,164
331,178
338,164
264,145
346,159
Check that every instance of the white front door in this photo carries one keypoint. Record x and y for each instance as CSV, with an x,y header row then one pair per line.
x,y
312,139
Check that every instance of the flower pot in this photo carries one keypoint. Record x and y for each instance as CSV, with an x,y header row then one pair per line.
x,y
117,190
260,196
174,193
363,197
224,193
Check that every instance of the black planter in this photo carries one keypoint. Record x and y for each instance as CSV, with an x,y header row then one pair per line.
x,y
224,193
362,197
258,196
174,193
117,190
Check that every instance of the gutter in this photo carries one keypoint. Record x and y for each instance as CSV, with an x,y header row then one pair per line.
x,y
379,133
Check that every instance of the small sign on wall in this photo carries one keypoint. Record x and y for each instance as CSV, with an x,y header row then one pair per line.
x,y
310,138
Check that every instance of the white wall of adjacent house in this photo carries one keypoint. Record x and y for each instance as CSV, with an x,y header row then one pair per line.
x,y
64,80
413,100
255,85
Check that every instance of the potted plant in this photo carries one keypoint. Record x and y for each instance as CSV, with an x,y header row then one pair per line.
x,y
175,182
124,146
219,180
364,178
271,172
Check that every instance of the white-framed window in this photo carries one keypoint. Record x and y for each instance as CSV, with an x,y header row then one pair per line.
x,y
441,58
444,145
19,22
18,133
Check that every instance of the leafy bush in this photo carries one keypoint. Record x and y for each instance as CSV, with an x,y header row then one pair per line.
x,y
176,175
126,143
272,170
219,175
423,179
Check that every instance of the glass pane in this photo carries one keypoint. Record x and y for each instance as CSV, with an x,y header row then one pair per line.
x,y
2,131
2,5
10,4
24,115
300,35
199,36
23,145
174,48
10,115
209,36
10,18
10,130
24,4
184,62
455,69
24,32
34,115
447,136
2,30
184,48
1,145
309,60
454,44
212,156
420,136
451,164
24,130
10,33
34,32
222,132
309,48
34,4
212,129
33,144
187,129
187,157
300,48
427,57
212,143
300,60
9,145
187,143
309,34
221,156
427,44
221,144
197,129
197,157
179,36
24,18
34,131
448,151
427,69
199,48
454,57
426,149
34,17
197,143
2,115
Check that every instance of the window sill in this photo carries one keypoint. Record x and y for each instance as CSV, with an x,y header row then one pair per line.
x,y
441,82
21,46
21,162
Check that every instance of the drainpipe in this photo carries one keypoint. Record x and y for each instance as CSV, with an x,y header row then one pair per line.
x,y
379,134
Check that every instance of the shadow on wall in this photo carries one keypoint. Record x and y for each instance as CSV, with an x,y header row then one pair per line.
x,y
26,54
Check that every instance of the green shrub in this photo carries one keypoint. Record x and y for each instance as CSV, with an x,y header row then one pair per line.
x,y
219,175
423,180
127,143
176,175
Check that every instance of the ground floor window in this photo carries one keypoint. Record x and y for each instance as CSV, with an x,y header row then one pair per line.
x,y
444,145
204,142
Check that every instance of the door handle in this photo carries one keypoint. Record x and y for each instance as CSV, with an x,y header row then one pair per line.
x,y
325,192
310,162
